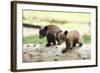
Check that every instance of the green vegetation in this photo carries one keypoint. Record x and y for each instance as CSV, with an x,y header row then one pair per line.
x,y
36,40
86,38
59,18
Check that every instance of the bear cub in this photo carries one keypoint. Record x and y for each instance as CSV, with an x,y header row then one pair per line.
x,y
71,38
50,32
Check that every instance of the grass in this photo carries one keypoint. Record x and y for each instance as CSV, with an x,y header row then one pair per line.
x,y
36,40
86,38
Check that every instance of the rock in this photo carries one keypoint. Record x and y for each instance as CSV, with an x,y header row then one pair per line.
x,y
85,52
41,53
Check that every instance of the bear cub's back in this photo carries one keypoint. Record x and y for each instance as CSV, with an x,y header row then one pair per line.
x,y
53,29
73,34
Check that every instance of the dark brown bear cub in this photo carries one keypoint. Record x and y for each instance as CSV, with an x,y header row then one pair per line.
x,y
71,38
49,32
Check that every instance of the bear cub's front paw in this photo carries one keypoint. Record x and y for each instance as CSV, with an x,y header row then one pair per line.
x,y
47,45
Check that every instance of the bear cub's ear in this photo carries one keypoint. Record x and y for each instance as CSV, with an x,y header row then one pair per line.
x,y
46,28
66,32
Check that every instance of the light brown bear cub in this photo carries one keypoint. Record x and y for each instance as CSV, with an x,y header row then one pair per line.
x,y
71,38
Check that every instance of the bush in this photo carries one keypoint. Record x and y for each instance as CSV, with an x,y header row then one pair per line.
x,y
86,38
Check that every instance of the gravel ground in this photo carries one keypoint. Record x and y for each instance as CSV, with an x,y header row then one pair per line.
x,y
40,53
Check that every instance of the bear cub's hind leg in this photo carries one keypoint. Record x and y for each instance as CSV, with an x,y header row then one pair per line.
x,y
64,51
80,42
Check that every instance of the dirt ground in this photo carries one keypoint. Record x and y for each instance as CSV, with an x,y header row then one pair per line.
x,y
40,53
